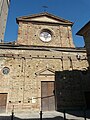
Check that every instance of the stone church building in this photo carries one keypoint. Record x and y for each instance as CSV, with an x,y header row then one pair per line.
x,y
42,69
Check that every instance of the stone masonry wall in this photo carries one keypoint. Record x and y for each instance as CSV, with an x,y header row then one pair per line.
x,y
22,84
28,34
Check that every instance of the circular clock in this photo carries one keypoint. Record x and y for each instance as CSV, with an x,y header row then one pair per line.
x,y
45,36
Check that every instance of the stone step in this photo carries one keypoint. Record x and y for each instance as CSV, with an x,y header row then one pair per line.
x,y
46,116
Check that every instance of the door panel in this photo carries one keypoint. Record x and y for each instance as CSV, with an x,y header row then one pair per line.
x,y
3,101
47,96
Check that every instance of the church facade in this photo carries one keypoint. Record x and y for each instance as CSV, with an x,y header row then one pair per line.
x,y
43,70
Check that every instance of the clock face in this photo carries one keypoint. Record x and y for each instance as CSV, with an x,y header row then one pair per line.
x,y
45,36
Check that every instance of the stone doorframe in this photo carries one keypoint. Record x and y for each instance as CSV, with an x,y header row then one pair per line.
x,y
45,74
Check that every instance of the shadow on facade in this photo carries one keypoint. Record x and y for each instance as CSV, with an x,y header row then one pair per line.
x,y
73,92
72,95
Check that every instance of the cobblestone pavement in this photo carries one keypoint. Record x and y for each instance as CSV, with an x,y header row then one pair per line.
x,y
52,115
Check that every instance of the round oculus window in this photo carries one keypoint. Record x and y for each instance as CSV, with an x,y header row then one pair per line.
x,y
5,70
45,36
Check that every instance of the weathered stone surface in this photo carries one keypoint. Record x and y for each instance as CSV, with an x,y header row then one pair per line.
x,y
31,61
22,85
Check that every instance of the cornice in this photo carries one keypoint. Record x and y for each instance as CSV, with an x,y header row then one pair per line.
x,y
41,48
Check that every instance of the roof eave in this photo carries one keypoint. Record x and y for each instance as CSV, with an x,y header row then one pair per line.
x,y
22,20
43,14
84,29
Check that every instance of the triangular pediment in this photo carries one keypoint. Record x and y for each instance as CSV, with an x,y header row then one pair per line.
x,y
46,71
44,17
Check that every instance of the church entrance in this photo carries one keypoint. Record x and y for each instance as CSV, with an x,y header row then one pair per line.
x,y
47,96
3,101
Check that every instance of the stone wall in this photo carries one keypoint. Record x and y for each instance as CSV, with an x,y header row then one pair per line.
x,y
28,34
23,82
3,18
70,89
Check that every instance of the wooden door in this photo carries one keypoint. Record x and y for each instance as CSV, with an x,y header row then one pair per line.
x,y
47,96
3,101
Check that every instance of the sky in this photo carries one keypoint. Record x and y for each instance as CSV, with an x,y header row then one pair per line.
x,y
77,11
